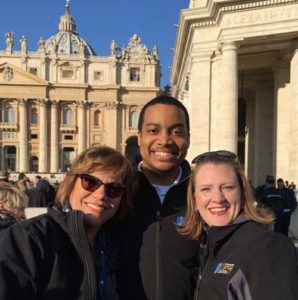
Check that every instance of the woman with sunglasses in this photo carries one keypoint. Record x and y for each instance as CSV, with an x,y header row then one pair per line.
x,y
68,253
239,257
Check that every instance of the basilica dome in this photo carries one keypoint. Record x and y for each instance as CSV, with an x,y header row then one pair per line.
x,y
67,40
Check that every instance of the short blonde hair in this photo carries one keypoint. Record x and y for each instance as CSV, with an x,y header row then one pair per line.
x,y
101,158
12,197
195,224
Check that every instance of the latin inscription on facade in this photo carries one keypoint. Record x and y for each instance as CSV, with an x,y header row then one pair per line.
x,y
267,15
23,92
67,94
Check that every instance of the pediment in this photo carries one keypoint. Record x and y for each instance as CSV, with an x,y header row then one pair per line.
x,y
11,74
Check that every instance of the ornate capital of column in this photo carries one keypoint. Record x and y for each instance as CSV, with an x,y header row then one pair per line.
x,y
111,105
82,103
43,102
22,102
54,103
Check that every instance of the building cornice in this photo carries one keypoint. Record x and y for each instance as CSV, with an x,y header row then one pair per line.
x,y
210,16
218,8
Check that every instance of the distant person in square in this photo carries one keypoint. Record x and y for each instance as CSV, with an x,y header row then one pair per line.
x,y
270,198
289,203
12,206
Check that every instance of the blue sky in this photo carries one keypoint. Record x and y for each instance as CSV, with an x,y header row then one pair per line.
x,y
98,22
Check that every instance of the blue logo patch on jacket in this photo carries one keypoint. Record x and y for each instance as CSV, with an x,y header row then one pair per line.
x,y
180,221
224,268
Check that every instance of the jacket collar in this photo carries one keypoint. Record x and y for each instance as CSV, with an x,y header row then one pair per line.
x,y
71,221
185,171
218,235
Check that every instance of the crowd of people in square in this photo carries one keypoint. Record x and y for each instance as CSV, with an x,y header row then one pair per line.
x,y
161,229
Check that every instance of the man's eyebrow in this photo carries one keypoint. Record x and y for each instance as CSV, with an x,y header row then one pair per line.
x,y
171,127
178,125
152,123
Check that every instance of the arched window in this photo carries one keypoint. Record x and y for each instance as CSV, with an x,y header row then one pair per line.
x,y
133,119
9,114
68,117
34,116
98,118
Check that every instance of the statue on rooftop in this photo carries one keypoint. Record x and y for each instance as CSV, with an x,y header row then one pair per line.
x,y
113,48
23,42
9,41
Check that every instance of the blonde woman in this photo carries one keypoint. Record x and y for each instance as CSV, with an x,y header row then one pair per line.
x,y
12,205
68,253
239,257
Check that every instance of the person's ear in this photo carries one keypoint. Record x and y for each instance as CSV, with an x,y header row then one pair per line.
x,y
2,204
139,138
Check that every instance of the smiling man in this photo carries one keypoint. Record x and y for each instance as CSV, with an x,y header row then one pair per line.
x,y
156,262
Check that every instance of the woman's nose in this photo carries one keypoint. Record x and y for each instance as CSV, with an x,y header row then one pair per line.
x,y
100,192
218,195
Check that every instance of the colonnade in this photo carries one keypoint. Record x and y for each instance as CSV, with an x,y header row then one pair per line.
x,y
271,110
48,158
201,89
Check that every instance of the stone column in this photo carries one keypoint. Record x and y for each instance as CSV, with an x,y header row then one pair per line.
x,y
281,123
54,137
82,135
23,156
229,98
43,136
199,106
111,122
293,170
263,142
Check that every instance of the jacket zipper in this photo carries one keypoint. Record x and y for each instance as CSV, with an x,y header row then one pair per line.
x,y
83,250
158,257
206,260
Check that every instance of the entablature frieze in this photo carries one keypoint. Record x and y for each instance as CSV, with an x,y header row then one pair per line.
x,y
217,9
21,91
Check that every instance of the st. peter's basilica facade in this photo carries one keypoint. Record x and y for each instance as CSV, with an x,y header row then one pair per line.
x,y
61,98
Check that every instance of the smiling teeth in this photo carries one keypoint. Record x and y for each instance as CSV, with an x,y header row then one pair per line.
x,y
164,154
218,209
94,206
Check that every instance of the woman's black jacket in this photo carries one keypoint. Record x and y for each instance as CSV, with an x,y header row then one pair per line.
x,y
246,261
48,257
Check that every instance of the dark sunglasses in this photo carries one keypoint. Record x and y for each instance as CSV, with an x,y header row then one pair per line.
x,y
91,183
214,154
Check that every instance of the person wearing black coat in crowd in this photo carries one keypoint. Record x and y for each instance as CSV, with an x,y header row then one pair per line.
x,y
289,204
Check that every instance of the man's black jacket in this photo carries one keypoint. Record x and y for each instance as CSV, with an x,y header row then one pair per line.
x,y
156,262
